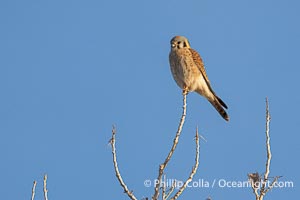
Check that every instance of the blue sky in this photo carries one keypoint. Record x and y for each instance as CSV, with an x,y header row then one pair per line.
x,y
69,70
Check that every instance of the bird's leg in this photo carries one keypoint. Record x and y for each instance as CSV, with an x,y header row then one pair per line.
x,y
185,90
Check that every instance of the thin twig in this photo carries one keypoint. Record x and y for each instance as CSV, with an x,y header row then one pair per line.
x,y
118,175
255,177
175,142
170,191
194,169
45,188
273,183
33,190
269,155
163,188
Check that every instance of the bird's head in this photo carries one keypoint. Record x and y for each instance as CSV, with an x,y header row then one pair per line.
x,y
179,42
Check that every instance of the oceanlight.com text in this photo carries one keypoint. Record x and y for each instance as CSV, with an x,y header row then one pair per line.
x,y
220,183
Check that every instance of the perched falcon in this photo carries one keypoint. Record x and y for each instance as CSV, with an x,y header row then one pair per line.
x,y
189,73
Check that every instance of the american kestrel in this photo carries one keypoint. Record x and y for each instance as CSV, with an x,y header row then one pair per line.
x,y
189,73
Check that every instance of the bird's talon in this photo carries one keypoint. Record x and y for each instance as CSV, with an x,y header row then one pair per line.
x,y
185,91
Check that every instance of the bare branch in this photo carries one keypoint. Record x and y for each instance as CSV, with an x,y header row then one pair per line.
x,y
269,155
255,178
194,169
45,188
118,175
175,142
273,183
163,188
170,191
33,190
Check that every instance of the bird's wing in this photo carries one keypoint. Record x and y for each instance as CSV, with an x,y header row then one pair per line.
x,y
199,63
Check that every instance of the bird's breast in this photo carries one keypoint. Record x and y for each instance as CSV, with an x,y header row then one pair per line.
x,y
184,70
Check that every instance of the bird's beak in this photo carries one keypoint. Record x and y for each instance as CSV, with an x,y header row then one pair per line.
x,y
173,45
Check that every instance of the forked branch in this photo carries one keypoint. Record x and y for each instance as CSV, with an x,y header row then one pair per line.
x,y
45,189
194,169
165,193
175,142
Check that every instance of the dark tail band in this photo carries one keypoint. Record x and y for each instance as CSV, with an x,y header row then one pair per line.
x,y
218,103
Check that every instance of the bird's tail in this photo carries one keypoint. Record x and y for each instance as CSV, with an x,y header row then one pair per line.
x,y
219,104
